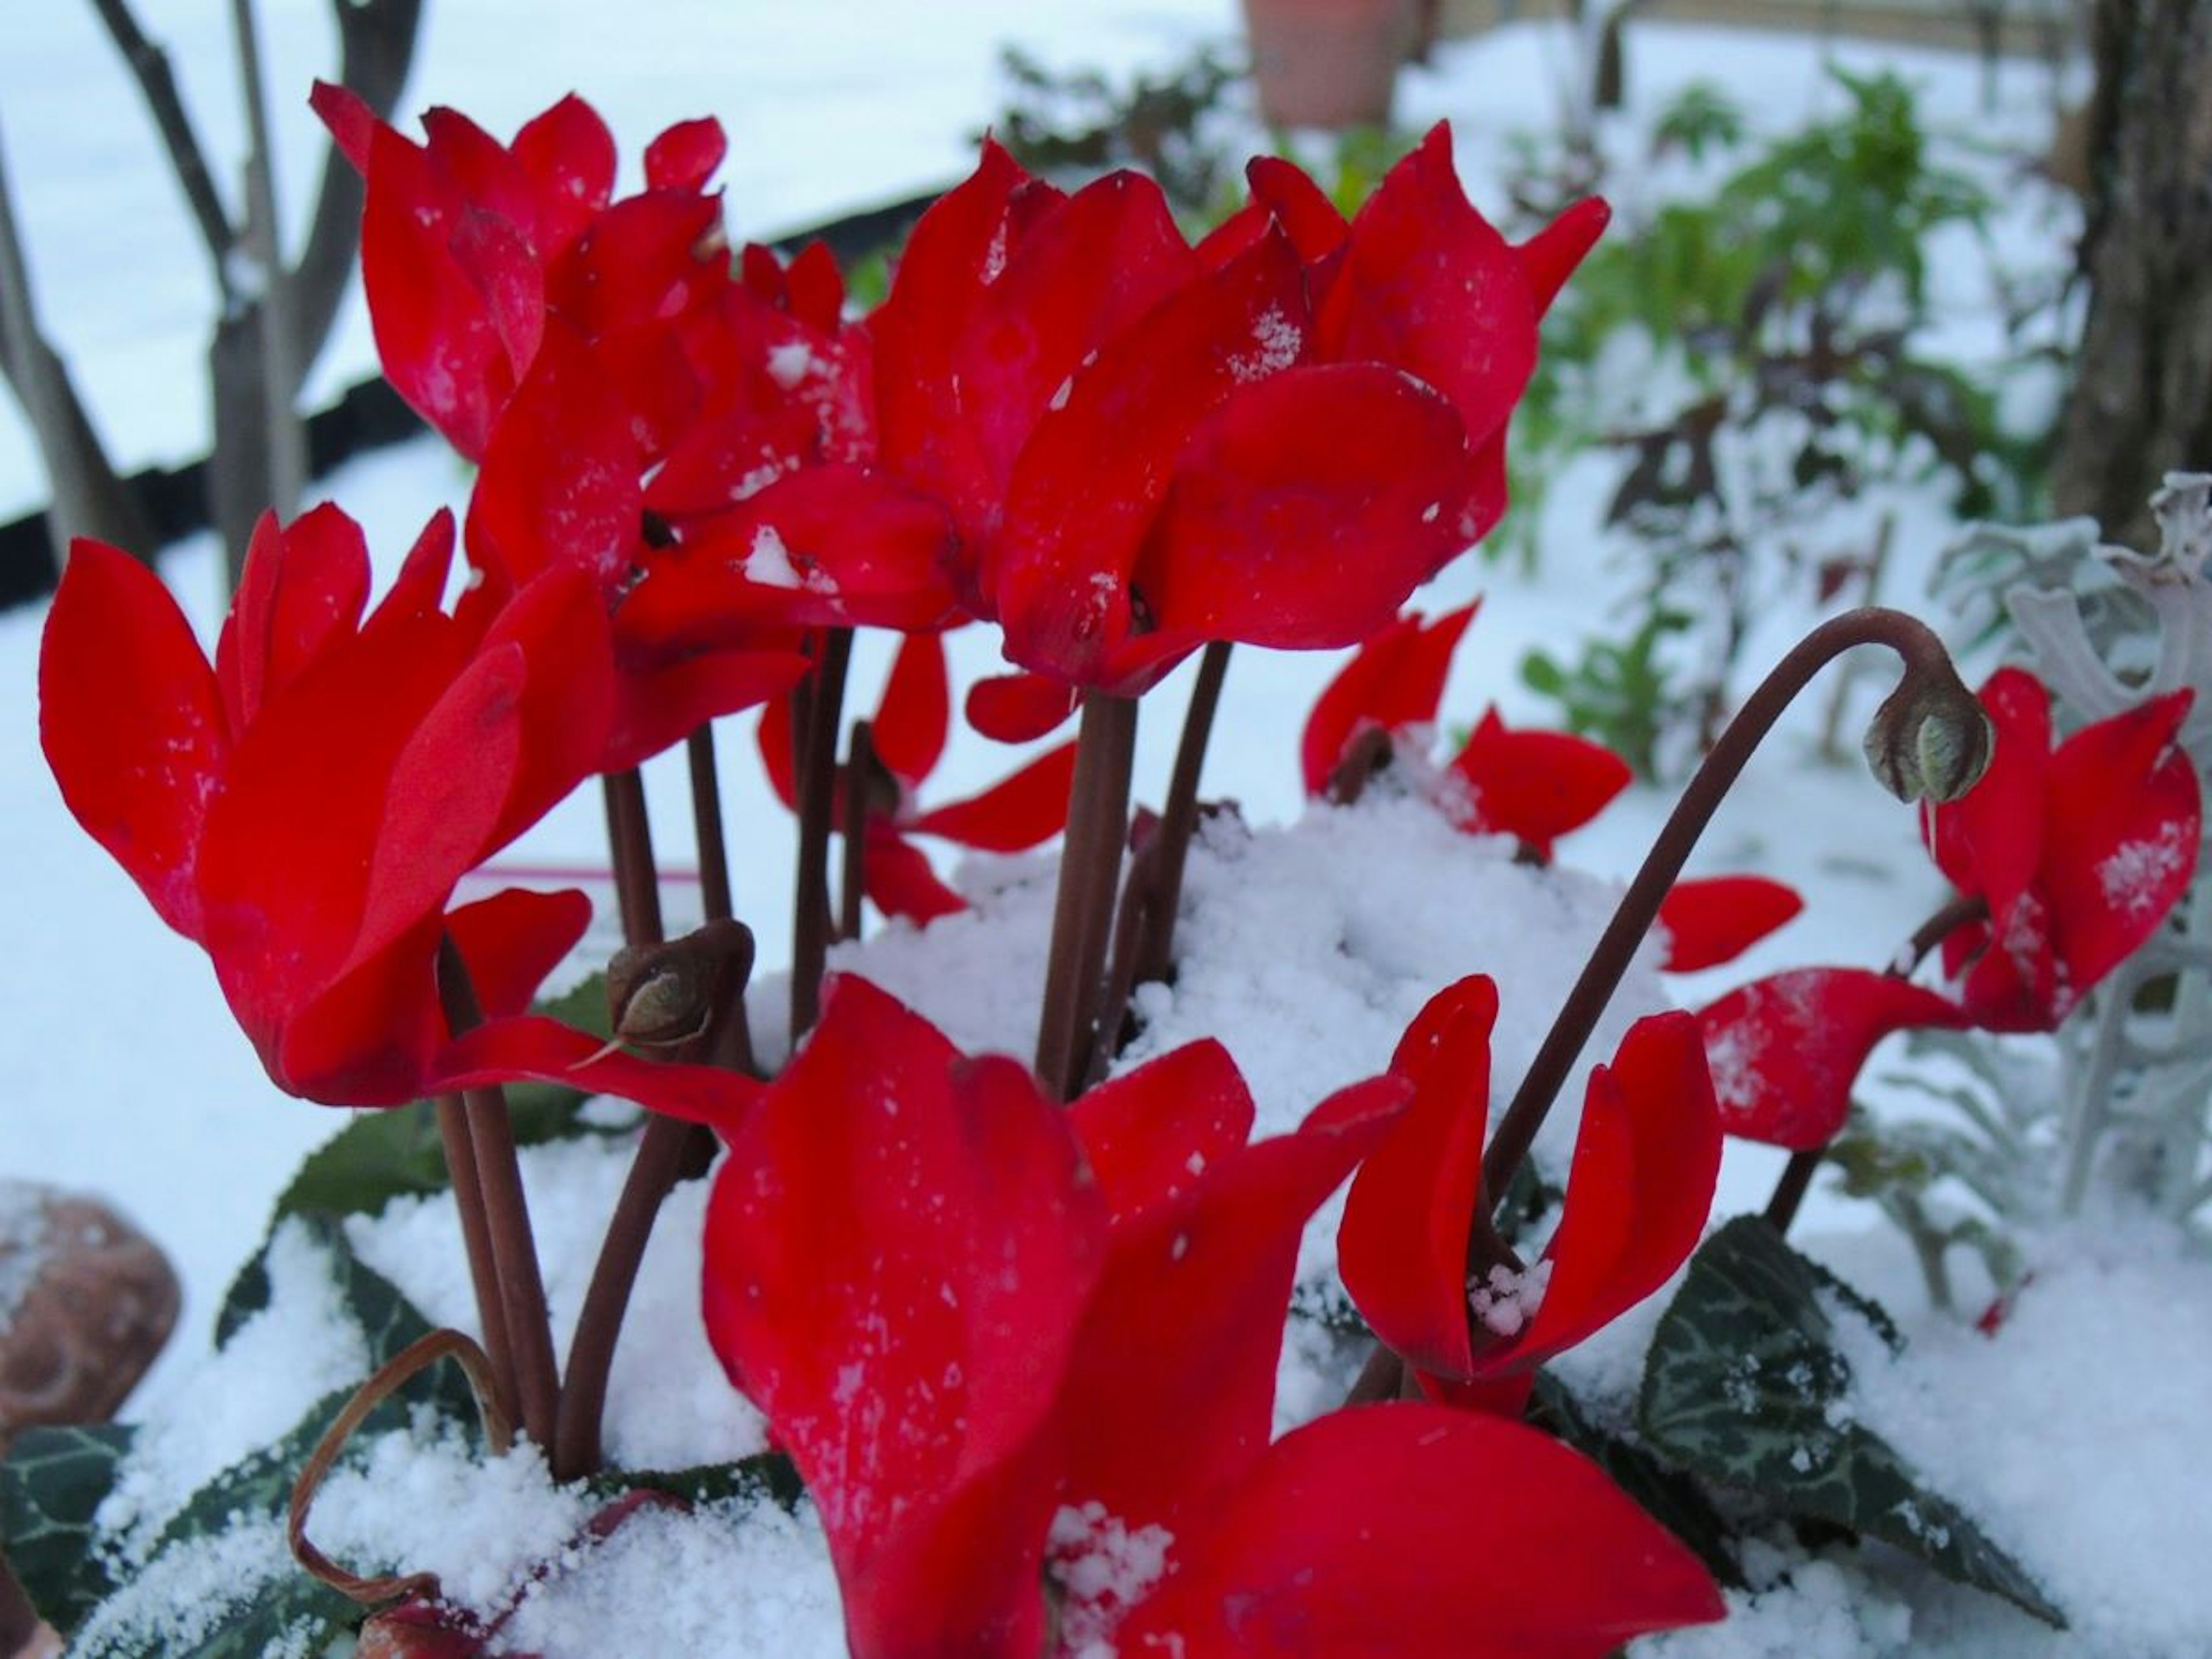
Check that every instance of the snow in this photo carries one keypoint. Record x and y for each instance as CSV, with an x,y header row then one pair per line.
x,y
2075,1432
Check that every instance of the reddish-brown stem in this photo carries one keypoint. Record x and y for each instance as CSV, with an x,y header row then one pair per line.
x,y
665,1152
1179,819
1090,872
629,837
1797,1177
475,1242
1925,660
714,895
817,795
507,1212
853,880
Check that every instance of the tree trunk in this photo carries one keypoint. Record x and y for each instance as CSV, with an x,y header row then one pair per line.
x,y
2142,401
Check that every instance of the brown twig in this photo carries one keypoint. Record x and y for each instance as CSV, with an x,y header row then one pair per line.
x,y
629,838
714,896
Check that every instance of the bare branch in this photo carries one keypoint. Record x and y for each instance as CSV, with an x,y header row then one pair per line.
x,y
151,65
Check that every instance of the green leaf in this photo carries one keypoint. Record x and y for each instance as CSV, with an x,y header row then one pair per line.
x,y
1667,1495
1746,1386
769,1475
291,1614
53,1482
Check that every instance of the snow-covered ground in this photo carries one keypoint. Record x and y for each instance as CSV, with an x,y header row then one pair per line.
x,y
128,1077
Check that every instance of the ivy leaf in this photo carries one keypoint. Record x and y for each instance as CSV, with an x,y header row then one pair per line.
x,y
1745,1385
53,1482
1667,1495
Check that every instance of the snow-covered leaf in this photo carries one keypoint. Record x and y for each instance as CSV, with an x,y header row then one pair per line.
x,y
1746,1385
51,1487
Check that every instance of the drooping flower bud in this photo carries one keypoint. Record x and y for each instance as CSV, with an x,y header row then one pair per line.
x,y
1930,739
662,996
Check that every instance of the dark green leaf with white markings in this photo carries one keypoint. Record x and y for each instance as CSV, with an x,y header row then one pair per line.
x,y
1745,1386
51,1484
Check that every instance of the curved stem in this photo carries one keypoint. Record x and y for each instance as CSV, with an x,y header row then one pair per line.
x,y
817,795
1927,668
1089,870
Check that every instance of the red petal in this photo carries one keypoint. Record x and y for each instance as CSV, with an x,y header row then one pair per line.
x,y
1551,255
816,288
568,157
132,724
1013,815
899,882
1206,1279
349,119
661,704
1151,1134
495,257
513,940
1535,785
777,758
1784,1051
1717,919
1402,1246
1989,842
433,336
534,1048
1417,1529
559,484
1305,509
897,1250
914,716
826,546
566,700
1647,1158
2121,829
1080,274
1018,707
960,246
685,155
291,856
644,261
1428,286
302,586
1092,477
1397,679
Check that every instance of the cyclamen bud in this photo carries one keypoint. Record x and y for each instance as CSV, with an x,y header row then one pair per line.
x,y
662,995
1930,740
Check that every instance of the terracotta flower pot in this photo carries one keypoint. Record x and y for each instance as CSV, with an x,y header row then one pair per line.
x,y
1328,63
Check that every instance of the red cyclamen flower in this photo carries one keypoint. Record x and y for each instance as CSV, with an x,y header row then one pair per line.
x,y
694,435
1646,1161
304,806
1270,438
2078,855
1025,1358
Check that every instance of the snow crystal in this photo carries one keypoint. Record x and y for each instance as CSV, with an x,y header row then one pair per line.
x,y
2132,876
1278,340
1505,1300
1103,1570
769,563
790,363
